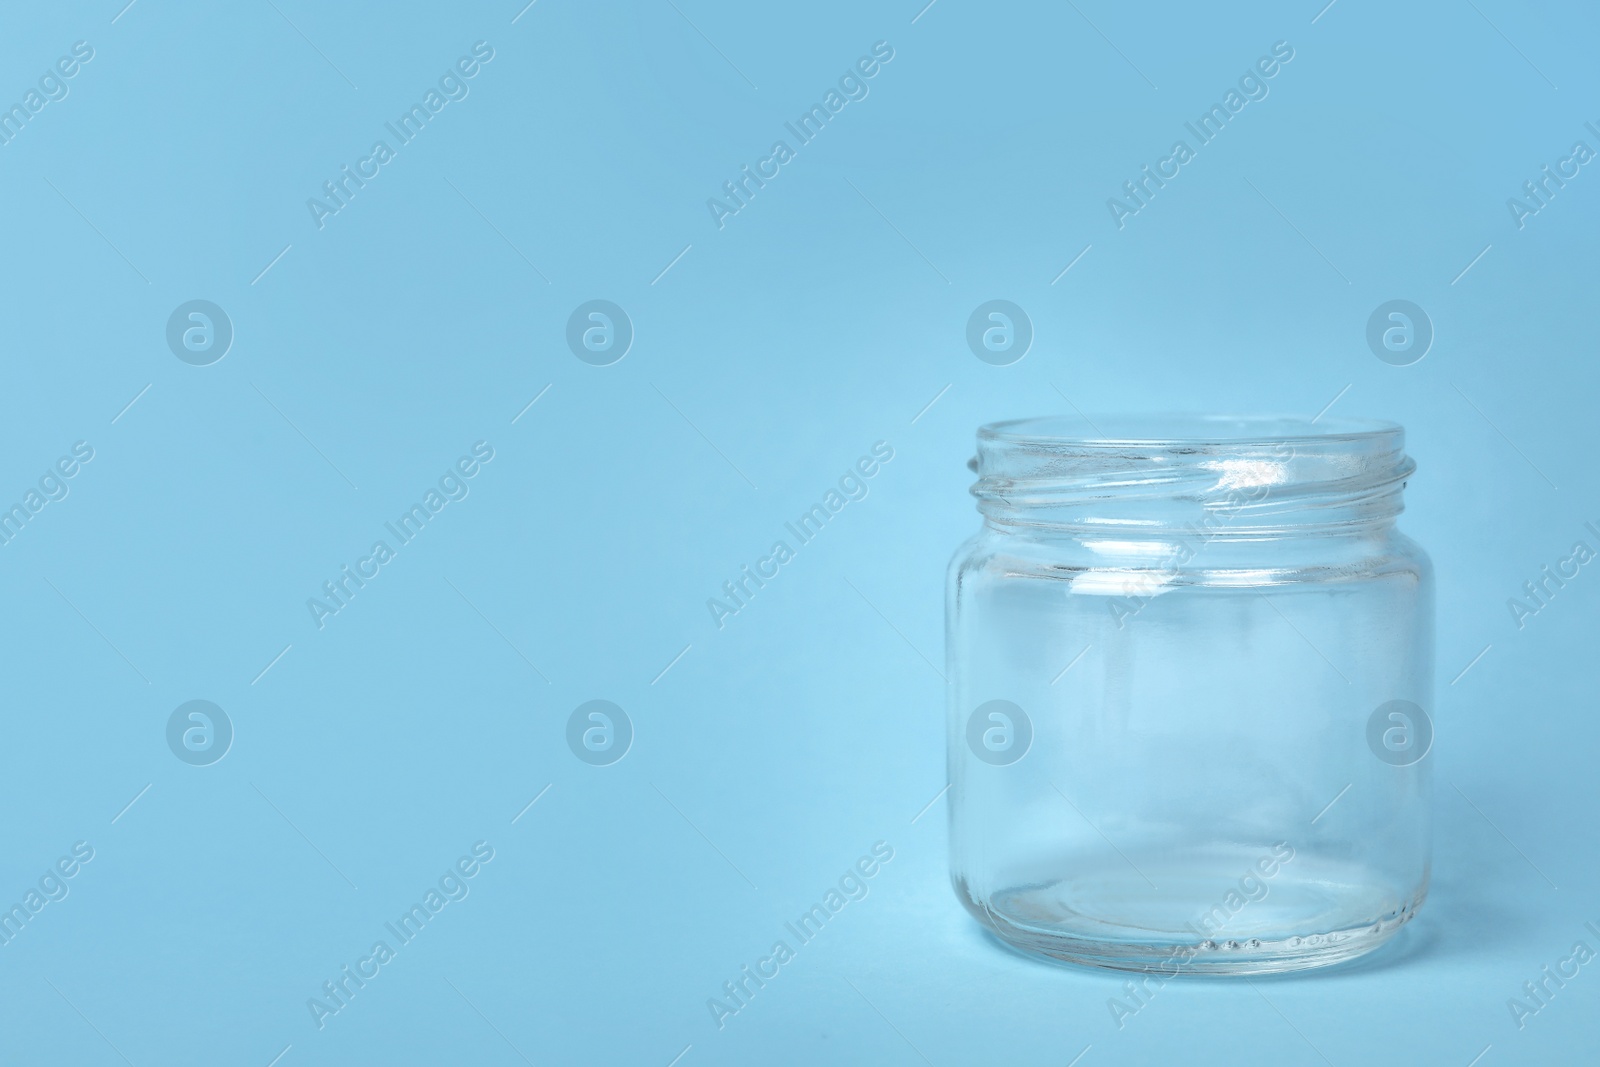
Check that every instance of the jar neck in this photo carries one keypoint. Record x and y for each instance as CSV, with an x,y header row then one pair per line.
x,y
1184,478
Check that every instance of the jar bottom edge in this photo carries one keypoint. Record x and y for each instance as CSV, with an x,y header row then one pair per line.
x,y
1167,955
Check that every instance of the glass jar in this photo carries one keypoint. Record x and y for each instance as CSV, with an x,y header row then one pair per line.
x,y
1190,665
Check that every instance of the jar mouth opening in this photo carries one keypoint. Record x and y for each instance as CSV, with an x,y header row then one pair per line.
x,y
1181,429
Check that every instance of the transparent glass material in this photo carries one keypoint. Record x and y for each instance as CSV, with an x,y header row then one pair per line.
x,y
1190,665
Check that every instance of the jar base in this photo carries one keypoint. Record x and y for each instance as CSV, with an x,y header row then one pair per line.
x,y
1110,922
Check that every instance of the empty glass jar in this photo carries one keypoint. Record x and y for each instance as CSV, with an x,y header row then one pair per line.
x,y
1190,665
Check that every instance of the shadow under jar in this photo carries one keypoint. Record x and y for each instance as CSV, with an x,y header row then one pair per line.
x,y
1190,665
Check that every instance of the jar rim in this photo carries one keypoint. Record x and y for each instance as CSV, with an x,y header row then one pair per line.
x,y
1166,429
1261,474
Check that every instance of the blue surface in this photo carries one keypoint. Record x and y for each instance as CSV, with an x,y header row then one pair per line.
x,y
369,354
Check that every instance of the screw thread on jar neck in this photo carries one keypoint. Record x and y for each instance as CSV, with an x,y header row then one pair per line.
x,y
1246,477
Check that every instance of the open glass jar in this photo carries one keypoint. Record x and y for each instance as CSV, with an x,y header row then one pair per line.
x,y
1190,665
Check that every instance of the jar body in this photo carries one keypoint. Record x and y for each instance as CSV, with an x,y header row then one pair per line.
x,y
1182,754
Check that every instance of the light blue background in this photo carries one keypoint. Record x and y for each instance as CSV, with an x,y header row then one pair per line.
x,y
824,317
